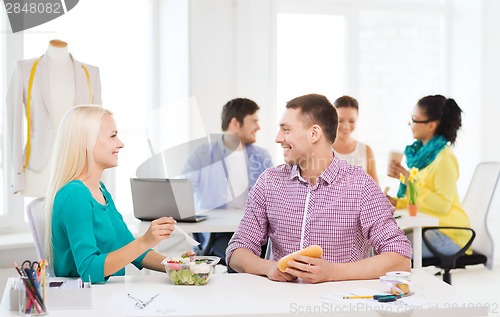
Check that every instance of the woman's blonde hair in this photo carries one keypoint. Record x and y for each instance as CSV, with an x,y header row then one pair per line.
x,y
73,156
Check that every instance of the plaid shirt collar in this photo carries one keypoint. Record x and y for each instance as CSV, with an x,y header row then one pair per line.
x,y
327,177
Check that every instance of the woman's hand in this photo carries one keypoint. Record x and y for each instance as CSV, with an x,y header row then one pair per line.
x,y
395,169
159,229
392,200
188,254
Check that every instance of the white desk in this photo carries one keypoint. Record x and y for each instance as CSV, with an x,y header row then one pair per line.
x,y
227,220
415,223
250,295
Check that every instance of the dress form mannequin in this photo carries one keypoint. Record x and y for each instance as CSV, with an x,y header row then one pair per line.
x,y
61,79
48,86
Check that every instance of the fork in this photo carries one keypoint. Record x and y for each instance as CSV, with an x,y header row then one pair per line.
x,y
189,239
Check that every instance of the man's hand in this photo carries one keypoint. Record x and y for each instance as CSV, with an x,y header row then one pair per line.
x,y
275,274
312,270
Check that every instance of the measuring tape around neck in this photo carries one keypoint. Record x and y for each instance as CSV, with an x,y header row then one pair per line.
x,y
28,107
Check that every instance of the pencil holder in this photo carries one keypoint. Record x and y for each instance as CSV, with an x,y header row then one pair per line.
x,y
31,302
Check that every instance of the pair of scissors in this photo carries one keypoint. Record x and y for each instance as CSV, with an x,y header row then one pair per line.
x,y
31,267
386,298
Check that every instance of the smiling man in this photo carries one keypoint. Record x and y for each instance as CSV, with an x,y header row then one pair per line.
x,y
315,198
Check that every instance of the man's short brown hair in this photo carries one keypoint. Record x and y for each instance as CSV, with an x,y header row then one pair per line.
x,y
316,109
237,108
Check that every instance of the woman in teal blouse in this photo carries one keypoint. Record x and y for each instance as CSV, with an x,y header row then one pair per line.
x,y
87,236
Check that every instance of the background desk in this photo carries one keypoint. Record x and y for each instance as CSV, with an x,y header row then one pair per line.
x,y
415,223
219,220
227,220
250,295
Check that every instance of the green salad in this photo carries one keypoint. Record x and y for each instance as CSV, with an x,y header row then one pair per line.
x,y
194,270
186,277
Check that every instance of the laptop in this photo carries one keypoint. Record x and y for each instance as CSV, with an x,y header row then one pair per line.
x,y
162,197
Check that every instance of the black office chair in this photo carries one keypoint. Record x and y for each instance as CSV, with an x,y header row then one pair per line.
x,y
477,204
452,261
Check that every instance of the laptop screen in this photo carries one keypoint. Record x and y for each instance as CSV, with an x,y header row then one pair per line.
x,y
162,197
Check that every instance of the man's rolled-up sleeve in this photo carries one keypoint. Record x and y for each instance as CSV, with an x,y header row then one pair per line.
x,y
378,223
252,230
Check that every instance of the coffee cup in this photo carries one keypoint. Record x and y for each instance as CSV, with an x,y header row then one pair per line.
x,y
394,156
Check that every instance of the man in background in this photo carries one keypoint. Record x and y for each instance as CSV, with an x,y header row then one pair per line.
x,y
224,170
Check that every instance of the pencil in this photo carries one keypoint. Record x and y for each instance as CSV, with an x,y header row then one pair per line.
x,y
18,269
357,296
36,292
31,295
43,276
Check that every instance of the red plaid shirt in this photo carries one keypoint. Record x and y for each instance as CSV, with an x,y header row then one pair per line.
x,y
345,213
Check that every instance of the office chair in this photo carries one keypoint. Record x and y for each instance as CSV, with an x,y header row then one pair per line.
x,y
36,221
477,204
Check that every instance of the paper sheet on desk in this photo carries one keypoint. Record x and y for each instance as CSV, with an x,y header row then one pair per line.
x,y
163,305
403,304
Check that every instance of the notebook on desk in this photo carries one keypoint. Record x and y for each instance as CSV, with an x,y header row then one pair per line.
x,y
162,197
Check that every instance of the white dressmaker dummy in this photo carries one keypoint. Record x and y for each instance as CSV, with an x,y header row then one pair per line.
x,y
47,86
61,78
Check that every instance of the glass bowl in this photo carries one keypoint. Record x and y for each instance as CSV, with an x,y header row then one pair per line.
x,y
194,270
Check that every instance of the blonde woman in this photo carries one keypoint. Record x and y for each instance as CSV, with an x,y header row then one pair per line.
x,y
86,235
347,148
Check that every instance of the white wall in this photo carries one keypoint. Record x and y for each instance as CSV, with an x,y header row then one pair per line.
x,y
254,64
491,110
230,57
465,82
490,78
475,69
169,81
212,68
